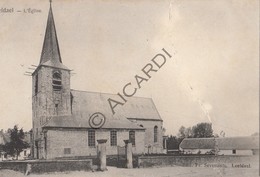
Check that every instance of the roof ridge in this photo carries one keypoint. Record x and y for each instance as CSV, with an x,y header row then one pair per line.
x,y
222,137
108,93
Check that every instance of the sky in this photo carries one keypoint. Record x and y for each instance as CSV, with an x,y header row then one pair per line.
x,y
213,75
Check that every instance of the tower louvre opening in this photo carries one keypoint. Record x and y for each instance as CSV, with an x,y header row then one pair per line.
x,y
56,81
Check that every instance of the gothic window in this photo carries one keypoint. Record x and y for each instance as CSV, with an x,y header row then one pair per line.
x,y
155,134
91,138
132,137
45,143
56,81
113,138
36,84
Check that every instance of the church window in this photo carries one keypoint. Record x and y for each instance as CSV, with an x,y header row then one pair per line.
x,y
56,108
56,81
233,151
155,134
67,151
45,141
91,138
71,102
113,138
36,84
132,137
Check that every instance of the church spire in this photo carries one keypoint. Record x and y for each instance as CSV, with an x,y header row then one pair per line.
x,y
50,49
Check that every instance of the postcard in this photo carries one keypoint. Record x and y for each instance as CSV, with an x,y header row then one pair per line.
x,y
129,88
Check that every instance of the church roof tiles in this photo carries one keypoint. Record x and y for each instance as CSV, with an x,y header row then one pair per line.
x,y
75,121
136,107
84,104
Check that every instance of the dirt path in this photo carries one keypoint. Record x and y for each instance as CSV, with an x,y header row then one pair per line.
x,y
148,172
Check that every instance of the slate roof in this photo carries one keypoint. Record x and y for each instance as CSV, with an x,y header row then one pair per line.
x,y
239,143
228,143
83,122
136,107
50,49
84,104
54,64
198,143
50,55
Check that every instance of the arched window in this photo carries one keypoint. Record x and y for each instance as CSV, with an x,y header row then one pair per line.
x,y
56,81
155,134
91,138
113,138
36,84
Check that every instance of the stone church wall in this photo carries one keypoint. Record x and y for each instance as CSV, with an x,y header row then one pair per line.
x,y
150,145
77,141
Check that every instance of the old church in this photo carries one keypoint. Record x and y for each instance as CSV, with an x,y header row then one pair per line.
x,y
61,115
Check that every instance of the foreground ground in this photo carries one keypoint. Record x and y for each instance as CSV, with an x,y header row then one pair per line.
x,y
148,172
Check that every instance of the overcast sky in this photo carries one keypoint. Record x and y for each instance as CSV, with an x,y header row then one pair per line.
x,y
212,76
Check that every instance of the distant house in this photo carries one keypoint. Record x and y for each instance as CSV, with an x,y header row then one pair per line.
x,y
225,146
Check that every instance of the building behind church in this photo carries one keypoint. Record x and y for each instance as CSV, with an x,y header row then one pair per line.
x,y
246,145
61,115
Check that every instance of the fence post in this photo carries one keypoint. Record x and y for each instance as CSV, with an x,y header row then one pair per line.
x,y
129,154
102,165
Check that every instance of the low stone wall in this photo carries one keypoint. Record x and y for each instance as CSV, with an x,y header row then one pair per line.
x,y
199,161
120,161
45,166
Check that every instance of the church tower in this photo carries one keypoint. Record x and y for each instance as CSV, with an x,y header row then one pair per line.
x,y
51,86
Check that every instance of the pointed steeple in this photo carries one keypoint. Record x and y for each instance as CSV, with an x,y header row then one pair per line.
x,y
50,50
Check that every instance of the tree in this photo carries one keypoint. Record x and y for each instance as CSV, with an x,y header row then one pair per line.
x,y
185,132
189,132
203,130
17,143
173,142
181,133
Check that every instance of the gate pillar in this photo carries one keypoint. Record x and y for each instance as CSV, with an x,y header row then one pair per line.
x,y
129,154
102,161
